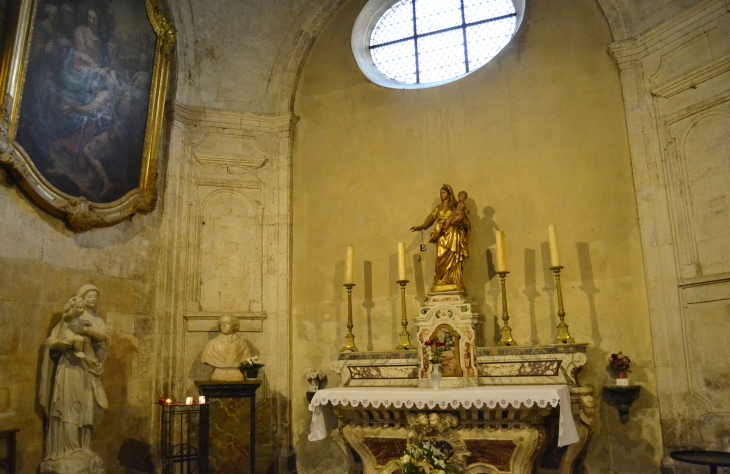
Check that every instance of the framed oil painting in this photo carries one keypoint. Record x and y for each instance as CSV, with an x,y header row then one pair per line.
x,y
83,104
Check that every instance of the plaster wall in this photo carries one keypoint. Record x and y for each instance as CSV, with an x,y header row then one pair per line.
x,y
537,136
42,264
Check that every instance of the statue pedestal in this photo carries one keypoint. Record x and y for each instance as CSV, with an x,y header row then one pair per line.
x,y
80,462
447,316
232,431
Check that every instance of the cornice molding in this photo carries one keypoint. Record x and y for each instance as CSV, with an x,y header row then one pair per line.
x,y
190,115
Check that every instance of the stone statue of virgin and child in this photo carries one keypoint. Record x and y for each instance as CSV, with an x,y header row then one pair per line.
x,y
71,393
451,233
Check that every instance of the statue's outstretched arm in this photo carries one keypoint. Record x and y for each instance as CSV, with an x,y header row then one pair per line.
x,y
428,222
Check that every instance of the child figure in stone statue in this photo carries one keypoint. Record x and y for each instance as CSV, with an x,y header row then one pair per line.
x,y
73,309
227,351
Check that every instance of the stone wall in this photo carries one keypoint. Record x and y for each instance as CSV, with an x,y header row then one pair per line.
x,y
537,136
42,265
676,82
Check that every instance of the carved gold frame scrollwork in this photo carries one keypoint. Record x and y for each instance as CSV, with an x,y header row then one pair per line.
x,y
80,213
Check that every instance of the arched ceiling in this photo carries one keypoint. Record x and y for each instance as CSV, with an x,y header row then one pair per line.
x,y
246,55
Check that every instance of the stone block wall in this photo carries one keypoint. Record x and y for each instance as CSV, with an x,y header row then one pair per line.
x,y
42,264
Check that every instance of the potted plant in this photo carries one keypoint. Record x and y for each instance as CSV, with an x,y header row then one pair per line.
x,y
436,351
251,367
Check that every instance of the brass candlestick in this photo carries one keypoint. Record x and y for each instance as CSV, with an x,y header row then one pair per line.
x,y
506,339
563,335
350,338
405,343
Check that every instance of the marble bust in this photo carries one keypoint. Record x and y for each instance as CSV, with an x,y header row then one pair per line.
x,y
227,351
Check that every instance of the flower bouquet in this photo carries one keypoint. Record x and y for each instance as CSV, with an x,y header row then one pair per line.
x,y
436,357
620,363
425,458
314,378
251,367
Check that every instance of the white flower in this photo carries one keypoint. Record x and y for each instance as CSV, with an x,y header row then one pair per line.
x,y
406,458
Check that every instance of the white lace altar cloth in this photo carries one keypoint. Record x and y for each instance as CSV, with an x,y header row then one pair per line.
x,y
502,396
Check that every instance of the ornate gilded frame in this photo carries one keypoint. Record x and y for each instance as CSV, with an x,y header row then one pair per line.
x,y
80,213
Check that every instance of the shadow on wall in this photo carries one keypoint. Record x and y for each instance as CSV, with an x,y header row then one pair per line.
x,y
136,456
338,298
588,287
368,303
531,292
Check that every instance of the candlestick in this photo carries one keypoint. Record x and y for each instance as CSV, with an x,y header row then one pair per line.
x,y
350,266
501,255
554,253
201,399
402,261
405,343
506,339
563,334
350,338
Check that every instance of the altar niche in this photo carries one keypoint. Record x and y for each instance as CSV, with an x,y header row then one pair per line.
x,y
448,317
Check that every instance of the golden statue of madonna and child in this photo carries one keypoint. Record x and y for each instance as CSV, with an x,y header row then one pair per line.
x,y
451,235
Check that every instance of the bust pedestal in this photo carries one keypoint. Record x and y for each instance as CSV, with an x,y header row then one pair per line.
x,y
232,433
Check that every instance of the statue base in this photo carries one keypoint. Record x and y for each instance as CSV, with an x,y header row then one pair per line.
x,y
447,316
80,462
442,288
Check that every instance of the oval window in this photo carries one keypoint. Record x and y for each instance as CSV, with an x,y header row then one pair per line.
x,y
411,44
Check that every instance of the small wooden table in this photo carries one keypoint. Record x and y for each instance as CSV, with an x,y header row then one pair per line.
x,y
714,459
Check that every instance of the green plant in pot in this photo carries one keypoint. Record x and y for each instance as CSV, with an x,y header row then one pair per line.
x,y
251,367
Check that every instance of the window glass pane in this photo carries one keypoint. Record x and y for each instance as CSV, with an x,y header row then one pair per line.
x,y
487,39
397,61
395,24
478,10
441,56
433,15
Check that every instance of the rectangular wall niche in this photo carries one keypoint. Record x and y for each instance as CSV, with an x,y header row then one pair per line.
x,y
229,250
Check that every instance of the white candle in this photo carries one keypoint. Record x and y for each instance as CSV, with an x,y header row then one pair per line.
x,y
553,239
402,261
501,257
201,399
168,401
350,265
189,400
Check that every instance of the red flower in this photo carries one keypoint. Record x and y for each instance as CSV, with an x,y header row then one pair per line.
x,y
161,401
439,344
432,361
429,343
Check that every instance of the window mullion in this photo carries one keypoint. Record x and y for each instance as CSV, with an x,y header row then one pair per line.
x,y
415,42
463,32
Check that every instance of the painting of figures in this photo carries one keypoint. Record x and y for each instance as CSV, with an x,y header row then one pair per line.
x,y
83,111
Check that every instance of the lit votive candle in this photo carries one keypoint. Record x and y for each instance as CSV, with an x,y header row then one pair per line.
x,y
189,401
168,401
201,399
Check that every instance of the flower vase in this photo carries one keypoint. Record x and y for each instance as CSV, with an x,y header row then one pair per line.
x,y
252,373
435,378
